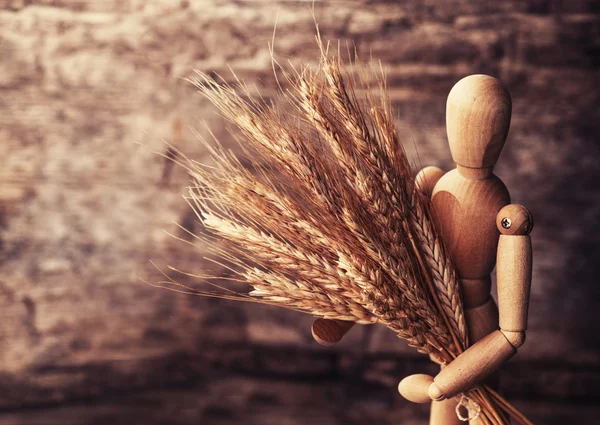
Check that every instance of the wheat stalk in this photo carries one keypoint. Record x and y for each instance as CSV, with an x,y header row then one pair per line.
x,y
440,266
325,217
367,154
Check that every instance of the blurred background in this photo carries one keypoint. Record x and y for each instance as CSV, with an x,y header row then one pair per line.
x,y
90,88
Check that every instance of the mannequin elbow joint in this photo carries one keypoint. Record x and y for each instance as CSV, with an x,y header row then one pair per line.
x,y
516,339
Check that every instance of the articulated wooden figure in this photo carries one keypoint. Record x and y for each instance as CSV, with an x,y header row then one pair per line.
x,y
480,228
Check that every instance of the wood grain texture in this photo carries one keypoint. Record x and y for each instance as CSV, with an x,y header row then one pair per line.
x,y
514,219
479,361
514,281
328,332
478,113
81,82
427,178
482,319
466,210
476,292
414,388
444,413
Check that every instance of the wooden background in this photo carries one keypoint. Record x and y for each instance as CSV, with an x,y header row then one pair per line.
x,y
88,90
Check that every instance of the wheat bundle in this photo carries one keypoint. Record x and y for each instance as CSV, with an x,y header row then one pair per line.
x,y
322,214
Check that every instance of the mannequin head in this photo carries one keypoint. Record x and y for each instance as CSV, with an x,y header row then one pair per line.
x,y
478,114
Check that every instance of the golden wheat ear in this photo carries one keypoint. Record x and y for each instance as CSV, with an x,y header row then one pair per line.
x,y
319,212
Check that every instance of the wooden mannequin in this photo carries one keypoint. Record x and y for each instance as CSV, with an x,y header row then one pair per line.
x,y
479,228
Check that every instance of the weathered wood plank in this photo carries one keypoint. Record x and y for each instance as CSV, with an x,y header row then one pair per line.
x,y
82,205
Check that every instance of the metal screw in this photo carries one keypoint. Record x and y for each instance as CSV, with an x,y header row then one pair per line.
x,y
506,223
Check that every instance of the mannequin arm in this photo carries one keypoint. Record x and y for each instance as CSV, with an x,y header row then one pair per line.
x,y
427,178
514,265
327,332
